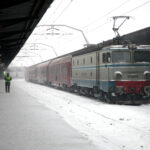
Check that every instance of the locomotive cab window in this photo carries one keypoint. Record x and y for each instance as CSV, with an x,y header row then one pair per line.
x,y
106,58
91,74
121,56
77,62
91,60
83,60
142,56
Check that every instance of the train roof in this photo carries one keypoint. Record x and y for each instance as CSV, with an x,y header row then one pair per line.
x,y
127,47
42,64
144,47
93,48
61,60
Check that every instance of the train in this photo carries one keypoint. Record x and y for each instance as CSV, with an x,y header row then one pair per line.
x,y
114,73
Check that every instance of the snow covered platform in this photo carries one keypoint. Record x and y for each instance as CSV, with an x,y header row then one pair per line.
x,y
26,124
36,117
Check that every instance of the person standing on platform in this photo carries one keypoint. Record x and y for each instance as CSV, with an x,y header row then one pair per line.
x,y
7,83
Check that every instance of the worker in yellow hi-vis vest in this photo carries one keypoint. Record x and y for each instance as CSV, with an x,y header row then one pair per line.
x,y
7,82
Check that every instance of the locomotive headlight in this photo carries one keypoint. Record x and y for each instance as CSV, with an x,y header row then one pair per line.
x,y
118,75
147,75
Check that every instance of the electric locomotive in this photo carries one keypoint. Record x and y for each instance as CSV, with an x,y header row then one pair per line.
x,y
116,74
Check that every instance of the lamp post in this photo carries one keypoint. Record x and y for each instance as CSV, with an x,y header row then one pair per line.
x,y
61,25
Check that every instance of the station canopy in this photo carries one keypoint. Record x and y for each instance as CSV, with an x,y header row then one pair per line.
x,y
18,19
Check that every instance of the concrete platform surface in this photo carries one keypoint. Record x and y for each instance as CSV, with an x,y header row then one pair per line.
x,y
26,124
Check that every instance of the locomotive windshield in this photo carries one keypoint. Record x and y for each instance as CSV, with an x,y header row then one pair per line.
x,y
142,56
121,56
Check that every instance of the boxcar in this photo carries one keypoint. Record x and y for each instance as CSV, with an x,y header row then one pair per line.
x,y
59,71
31,74
42,72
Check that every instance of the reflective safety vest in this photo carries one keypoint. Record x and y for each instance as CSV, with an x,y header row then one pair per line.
x,y
7,78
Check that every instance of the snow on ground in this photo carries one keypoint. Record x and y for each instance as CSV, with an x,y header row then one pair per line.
x,y
109,127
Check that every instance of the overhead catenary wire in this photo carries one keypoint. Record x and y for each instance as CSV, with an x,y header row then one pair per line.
x,y
61,1
86,26
114,9
62,11
133,9
137,7
109,12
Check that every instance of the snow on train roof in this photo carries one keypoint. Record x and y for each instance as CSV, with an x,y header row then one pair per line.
x,y
43,64
61,60
126,47
144,47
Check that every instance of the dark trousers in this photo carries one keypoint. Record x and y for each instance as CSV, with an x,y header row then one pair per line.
x,y
7,87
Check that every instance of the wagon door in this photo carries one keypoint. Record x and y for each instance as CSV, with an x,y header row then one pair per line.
x,y
68,74
97,69
104,71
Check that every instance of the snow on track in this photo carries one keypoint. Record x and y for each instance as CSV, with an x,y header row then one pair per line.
x,y
111,127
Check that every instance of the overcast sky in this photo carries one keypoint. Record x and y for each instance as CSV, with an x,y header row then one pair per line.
x,y
93,17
